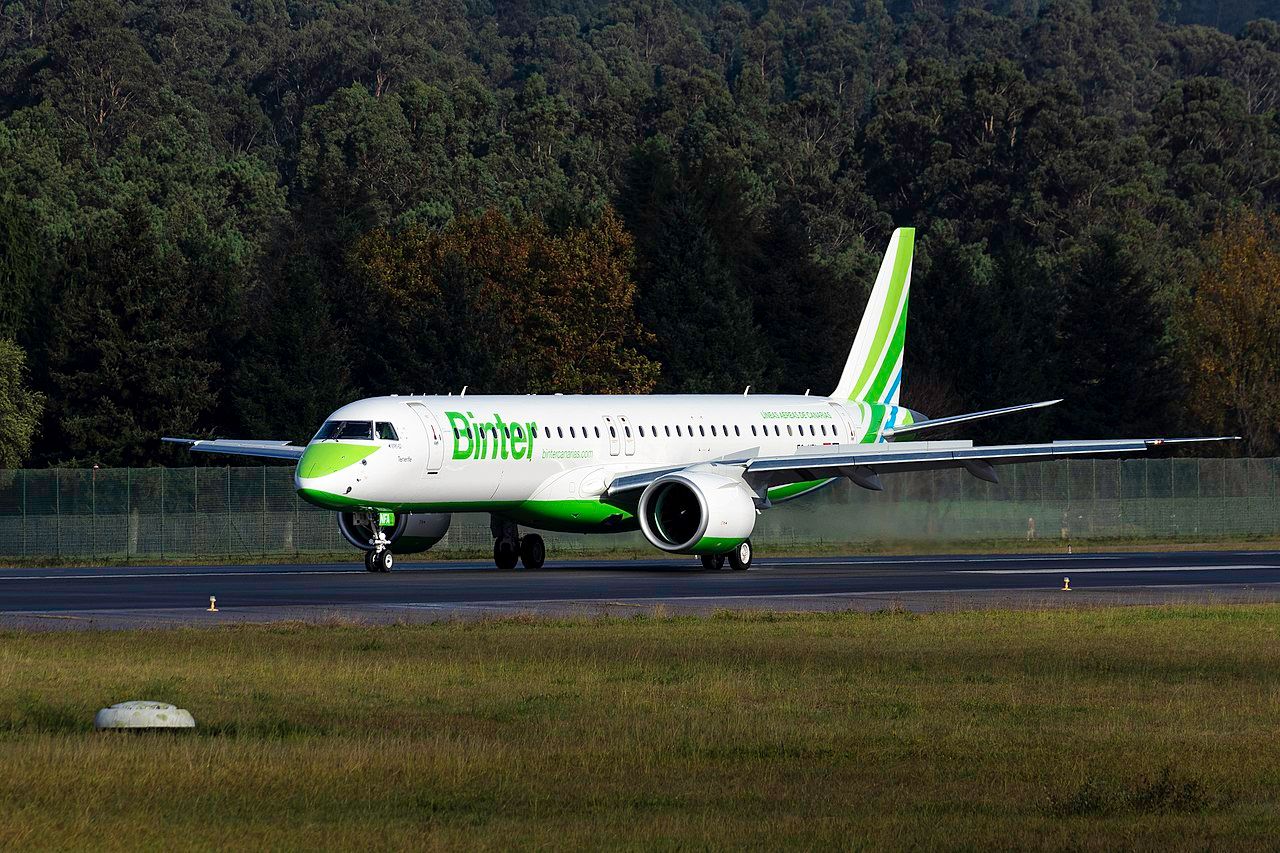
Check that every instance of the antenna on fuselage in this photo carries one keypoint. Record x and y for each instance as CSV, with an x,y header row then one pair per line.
x,y
806,391
746,391
464,390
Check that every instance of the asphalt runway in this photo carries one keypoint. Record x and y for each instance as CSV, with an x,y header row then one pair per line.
x,y
112,597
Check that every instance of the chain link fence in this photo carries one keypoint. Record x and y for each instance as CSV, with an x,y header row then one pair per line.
x,y
157,513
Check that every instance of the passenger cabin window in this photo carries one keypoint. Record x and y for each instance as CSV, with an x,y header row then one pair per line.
x,y
547,430
559,432
572,434
641,431
597,429
713,429
387,432
345,429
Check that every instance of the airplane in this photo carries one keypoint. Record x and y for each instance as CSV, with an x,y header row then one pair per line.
x,y
690,471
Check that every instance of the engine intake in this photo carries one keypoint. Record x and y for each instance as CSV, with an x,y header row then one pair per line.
x,y
412,533
697,513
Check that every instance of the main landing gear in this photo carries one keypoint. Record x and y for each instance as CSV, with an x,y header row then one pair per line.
x,y
739,558
510,548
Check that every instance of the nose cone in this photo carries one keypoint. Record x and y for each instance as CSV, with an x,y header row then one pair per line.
x,y
322,477
321,460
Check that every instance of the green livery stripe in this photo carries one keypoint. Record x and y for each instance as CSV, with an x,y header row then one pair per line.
x,y
714,545
777,494
873,426
320,460
897,283
890,363
581,515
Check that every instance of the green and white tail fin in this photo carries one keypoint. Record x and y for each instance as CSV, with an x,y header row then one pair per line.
x,y
873,373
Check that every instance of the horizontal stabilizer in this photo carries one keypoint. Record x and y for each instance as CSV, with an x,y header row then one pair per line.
x,y
933,423
231,447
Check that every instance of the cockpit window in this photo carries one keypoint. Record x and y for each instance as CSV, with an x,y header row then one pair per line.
x,y
387,432
345,429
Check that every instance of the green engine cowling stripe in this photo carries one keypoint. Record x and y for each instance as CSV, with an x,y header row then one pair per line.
x,y
714,545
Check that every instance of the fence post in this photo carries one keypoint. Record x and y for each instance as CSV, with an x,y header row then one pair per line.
x,y
264,510
164,475
296,504
228,516
93,513
128,508
57,510
24,512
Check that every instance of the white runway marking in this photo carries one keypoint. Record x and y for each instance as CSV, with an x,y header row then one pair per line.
x,y
941,561
1119,570
66,577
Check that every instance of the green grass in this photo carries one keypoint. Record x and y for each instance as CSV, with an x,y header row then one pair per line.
x,y
1154,728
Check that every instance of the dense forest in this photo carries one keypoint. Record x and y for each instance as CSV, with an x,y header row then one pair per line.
x,y
230,216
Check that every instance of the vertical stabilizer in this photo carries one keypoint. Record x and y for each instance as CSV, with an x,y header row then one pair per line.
x,y
873,373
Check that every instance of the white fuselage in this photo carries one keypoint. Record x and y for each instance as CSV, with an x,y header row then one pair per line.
x,y
547,460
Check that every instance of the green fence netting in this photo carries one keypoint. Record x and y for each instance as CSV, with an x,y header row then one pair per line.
x,y
194,512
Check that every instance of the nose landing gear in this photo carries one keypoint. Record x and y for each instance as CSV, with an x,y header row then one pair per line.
x,y
378,561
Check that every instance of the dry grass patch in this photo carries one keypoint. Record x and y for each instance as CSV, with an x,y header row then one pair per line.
x,y
1083,730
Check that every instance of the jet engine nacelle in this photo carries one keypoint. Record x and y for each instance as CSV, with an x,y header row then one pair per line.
x,y
412,533
697,512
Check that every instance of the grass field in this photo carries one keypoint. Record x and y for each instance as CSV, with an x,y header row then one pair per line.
x,y
1154,728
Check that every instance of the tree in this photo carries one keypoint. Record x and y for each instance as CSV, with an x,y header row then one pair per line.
x,y
129,355
507,306
1231,333
1112,359
20,407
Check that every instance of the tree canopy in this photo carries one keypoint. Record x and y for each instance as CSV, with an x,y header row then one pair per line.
x,y
230,218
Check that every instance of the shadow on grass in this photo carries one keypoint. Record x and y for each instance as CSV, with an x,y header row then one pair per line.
x,y
1165,793
32,715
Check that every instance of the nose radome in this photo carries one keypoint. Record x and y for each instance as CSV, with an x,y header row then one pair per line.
x,y
320,460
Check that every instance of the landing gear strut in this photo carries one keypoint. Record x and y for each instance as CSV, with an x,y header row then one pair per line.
x,y
378,559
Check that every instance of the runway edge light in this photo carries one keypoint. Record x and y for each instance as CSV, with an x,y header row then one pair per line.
x,y
1066,585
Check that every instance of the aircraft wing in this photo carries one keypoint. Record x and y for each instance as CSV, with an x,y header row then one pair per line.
x,y
232,447
864,463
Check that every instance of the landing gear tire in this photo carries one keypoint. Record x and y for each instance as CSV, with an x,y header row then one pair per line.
x,y
533,551
506,554
713,562
379,561
740,557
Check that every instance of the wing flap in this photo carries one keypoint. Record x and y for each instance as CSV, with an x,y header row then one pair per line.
x,y
865,461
